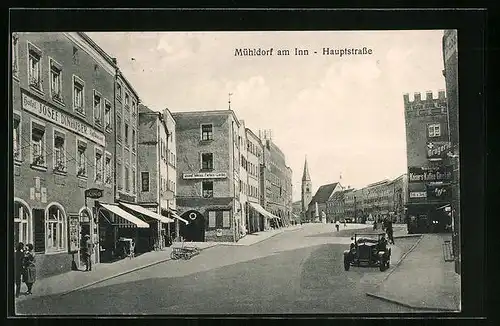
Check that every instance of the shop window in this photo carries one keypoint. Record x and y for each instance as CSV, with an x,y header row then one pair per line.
x,y
127,179
78,95
434,130
59,151
56,81
98,175
108,170
16,135
207,132
107,115
145,181
207,189
22,224
55,230
15,55
97,107
35,67
38,153
207,161
81,156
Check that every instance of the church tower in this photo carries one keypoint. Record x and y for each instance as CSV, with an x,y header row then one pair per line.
x,y
306,195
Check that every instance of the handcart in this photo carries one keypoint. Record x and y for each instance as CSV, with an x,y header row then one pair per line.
x,y
184,252
126,248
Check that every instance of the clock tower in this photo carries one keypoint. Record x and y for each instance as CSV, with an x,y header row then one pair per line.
x,y
306,195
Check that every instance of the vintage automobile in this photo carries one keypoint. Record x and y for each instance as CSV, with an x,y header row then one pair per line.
x,y
368,250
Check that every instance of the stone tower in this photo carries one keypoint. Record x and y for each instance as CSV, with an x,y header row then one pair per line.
x,y
306,195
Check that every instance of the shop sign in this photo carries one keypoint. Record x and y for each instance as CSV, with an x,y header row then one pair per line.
x,y
62,119
205,175
438,149
93,193
441,192
418,194
428,174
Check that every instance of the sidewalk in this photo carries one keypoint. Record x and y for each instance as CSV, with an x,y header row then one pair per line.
x,y
75,280
254,238
423,280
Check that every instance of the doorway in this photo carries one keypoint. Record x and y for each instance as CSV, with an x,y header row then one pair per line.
x,y
195,230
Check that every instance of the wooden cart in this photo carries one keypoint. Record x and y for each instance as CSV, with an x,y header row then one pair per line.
x,y
184,252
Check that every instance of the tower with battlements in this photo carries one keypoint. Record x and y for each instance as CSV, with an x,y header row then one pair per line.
x,y
306,194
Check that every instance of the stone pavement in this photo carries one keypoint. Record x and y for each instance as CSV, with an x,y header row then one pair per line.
x,y
423,280
76,280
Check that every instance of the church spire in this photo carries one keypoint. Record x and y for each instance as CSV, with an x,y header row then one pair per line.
x,y
305,176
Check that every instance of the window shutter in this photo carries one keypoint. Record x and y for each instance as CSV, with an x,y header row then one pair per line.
x,y
39,228
218,220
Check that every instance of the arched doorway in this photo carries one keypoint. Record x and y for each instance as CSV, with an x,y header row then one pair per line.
x,y
195,230
23,227
55,228
85,217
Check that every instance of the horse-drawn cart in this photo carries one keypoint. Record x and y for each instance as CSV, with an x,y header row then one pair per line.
x,y
184,252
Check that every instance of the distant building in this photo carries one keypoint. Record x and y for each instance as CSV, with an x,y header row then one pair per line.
x,y
306,191
429,171
316,211
297,210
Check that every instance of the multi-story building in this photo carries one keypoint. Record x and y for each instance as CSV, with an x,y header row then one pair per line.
x,y
289,195
208,182
318,206
450,72
429,172
254,220
398,189
277,183
243,173
297,211
63,143
335,207
377,198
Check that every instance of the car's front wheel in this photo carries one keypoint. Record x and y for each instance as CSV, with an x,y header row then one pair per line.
x,y
382,265
347,264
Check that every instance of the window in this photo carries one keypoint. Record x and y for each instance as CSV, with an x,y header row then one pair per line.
x,y
126,134
81,168
174,162
207,132
55,81
38,153
34,73
133,181
207,161
98,175
134,109
118,90
211,219
97,107
207,188
133,139
226,223
118,128
78,95
127,180
16,135
145,181
22,224
127,99
107,169
119,179
107,115
59,151
15,54
434,130
55,230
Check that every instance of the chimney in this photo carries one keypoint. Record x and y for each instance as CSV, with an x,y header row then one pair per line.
x,y
406,98
416,97
428,96
441,94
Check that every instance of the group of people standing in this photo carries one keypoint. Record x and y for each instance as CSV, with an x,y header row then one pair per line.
x,y
387,227
25,269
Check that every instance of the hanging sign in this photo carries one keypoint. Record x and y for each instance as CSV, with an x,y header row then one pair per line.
x,y
93,193
438,149
428,174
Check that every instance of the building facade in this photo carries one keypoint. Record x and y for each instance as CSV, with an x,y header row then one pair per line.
x,y
208,164
317,209
254,220
244,169
398,190
63,143
377,199
429,172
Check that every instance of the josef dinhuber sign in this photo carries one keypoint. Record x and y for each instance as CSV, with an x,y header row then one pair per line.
x,y
426,174
205,175
62,119
438,149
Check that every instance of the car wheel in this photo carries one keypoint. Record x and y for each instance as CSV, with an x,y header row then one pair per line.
x,y
347,264
382,266
388,264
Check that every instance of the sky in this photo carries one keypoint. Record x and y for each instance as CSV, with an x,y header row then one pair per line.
x,y
346,114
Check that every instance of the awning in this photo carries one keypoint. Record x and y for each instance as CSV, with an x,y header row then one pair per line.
x,y
262,211
147,212
123,214
179,218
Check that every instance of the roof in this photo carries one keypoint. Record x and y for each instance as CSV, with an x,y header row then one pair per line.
x,y
145,109
305,175
208,112
324,192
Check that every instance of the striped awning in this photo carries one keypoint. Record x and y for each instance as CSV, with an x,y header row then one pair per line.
x,y
262,211
125,215
147,212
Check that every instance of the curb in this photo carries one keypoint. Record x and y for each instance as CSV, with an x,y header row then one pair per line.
x,y
407,236
251,244
401,259
408,305
123,273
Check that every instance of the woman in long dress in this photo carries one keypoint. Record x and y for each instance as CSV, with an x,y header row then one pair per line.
x,y
29,276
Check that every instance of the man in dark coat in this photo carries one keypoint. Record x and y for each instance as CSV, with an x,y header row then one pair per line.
x,y
390,231
18,266
88,247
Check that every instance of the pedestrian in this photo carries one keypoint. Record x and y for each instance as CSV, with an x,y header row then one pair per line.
x,y
18,267
375,224
390,232
29,276
337,225
87,249
132,249
345,223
